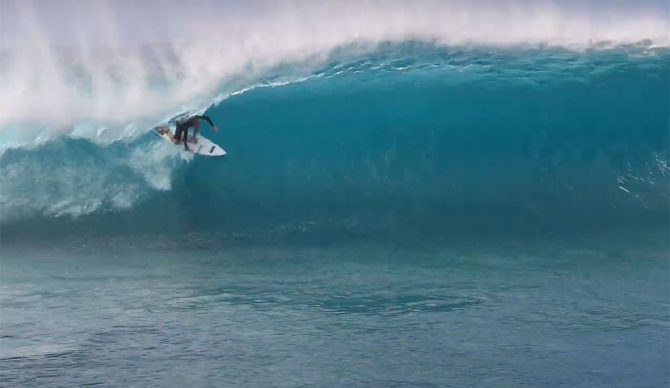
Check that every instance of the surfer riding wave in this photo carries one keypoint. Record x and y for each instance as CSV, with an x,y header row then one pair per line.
x,y
182,127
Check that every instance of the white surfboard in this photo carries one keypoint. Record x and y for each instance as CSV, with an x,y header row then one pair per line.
x,y
203,146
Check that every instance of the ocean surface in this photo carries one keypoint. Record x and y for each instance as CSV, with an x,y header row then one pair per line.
x,y
526,314
407,212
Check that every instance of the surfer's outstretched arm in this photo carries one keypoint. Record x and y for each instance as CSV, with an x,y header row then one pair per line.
x,y
209,121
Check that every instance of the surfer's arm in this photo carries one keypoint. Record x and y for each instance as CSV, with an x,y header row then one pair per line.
x,y
211,124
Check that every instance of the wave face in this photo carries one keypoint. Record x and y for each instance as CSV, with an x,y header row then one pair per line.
x,y
410,139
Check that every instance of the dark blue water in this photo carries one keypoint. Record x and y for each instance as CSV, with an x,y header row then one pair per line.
x,y
504,315
417,216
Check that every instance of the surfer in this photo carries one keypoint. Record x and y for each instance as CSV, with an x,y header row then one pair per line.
x,y
184,125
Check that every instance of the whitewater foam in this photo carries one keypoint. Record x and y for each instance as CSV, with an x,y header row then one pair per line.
x,y
81,178
75,73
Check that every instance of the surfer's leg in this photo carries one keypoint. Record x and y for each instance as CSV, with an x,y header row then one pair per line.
x,y
186,139
181,132
178,133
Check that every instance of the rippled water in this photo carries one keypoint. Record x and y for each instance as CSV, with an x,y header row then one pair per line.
x,y
566,314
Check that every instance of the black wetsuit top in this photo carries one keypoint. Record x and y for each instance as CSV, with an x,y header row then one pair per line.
x,y
183,126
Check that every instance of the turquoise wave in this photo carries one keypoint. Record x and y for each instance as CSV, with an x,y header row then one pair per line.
x,y
410,139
